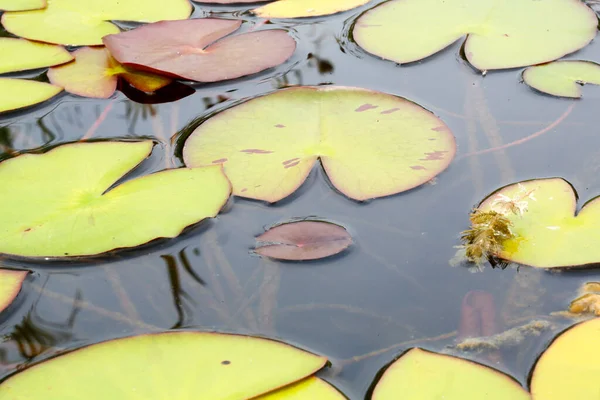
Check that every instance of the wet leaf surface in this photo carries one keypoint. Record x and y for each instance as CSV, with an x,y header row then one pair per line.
x,y
562,78
309,388
22,55
20,93
306,8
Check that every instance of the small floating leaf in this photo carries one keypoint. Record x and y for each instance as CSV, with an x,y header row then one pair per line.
x,y
197,49
21,5
371,144
568,369
562,78
10,286
501,34
81,23
20,93
306,8
303,240
95,73
419,374
175,365
56,204
22,54
309,388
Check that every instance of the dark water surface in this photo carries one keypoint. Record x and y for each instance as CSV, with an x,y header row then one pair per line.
x,y
395,285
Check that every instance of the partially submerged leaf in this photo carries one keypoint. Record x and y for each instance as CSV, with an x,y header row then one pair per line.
x,y
549,234
94,73
420,374
303,240
20,93
22,54
589,300
197,49
56,204
568,369
21,5
371,144
10,285
501,33
309,388
562,78
81,23
306,8
175,365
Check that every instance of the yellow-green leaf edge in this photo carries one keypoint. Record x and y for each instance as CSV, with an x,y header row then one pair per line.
x,y
562,78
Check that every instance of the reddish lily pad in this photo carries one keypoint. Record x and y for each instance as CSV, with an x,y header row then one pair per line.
x,y
197,49
371,144
303,240
10,286
94,73
22,55
22,5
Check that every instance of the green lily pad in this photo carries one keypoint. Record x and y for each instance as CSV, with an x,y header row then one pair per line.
x,y
562,78
21,55
10,286
21,5
61,203
309,388
81,23
306,8
371,144
21,93
175,365
568,369
549,234
420,374
501,33
94,73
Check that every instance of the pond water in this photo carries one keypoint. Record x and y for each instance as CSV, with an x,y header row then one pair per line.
x,y
392,290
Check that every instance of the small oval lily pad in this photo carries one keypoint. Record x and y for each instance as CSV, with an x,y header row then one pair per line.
x,y
303,240
306,8
371,144
562,78
311,388
22,54
197,49
21,93
420,374
10,285
174,365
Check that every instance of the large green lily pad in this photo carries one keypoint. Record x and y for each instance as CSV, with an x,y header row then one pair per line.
x,y
22,54
10,285
562,78
569,368
75,22
174,366
311,388
61,203
549,234
371,144
21,93
501,33
420,374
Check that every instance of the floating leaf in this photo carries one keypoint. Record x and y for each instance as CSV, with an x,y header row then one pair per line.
x,y
501,33
20,93
303,240
10,286
562,78
195,49
175,365
568,368
309,388
306,8
95,74
549,234
81,23
21,55
371,144
419,374
21,5
57,204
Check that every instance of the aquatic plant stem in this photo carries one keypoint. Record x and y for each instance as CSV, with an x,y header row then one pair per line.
x,y
90,132
121,293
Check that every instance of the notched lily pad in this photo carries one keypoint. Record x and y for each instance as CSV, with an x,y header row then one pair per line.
x,y
10,285
562,78
420,374
309,388
197,49
22,5
20,93
371,144
303,240
568,368
22,55
174,365
501,33
94,73
306,8
61,203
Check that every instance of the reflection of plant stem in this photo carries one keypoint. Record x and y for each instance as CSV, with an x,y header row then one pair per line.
x,y
90,132
474,163
120,292
268,295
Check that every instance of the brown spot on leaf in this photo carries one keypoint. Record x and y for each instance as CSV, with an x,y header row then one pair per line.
x,y
434,155
244,190
432,138
506,34
391,110
279,126
292,164
286,162
417,167
439,128
219,161
255,151
27,230
226,362
365,107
